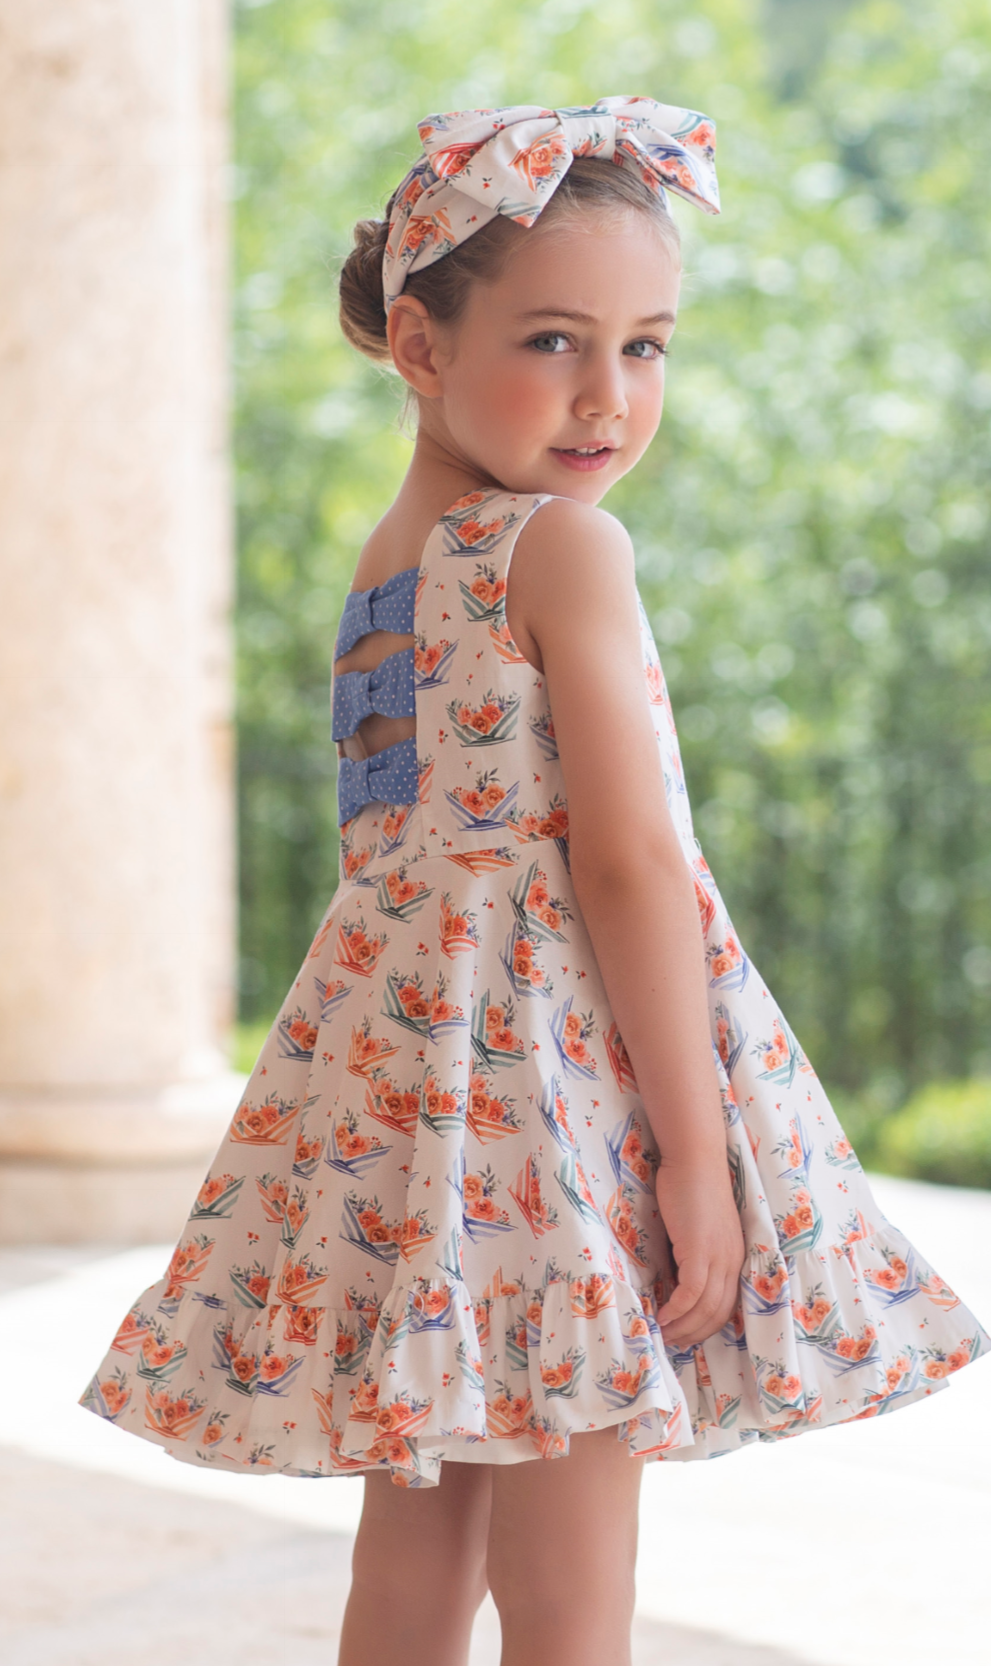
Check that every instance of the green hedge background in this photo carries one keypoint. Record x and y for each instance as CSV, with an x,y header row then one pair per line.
x,y
812,521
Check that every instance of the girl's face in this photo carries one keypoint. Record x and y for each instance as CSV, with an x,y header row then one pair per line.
x,y
553,378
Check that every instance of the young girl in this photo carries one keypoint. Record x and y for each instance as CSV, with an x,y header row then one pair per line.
x,y
531,1166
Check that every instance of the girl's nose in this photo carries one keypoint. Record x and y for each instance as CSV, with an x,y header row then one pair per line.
x,y
602,394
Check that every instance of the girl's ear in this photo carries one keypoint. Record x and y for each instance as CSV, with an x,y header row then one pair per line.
x,y
413,345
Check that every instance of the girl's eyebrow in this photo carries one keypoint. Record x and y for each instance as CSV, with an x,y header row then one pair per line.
x,y
587,317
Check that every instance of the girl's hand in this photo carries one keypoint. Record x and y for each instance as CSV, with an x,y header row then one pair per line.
x,y
706,1250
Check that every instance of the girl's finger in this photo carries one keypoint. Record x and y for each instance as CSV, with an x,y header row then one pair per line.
x,y
667,1270
691,1284
709,1315
695,1314
725,1306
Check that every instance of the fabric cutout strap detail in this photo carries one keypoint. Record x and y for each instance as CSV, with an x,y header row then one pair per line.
x,y
385,607
388,689
388,777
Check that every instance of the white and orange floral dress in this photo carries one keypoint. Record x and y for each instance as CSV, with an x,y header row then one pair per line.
x,y
431,1230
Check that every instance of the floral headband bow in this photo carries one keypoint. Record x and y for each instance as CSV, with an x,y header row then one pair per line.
x,y
480,163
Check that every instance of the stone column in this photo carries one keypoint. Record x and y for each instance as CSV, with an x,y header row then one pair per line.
x,y
116,836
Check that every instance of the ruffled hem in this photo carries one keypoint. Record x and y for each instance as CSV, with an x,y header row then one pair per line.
x,y
826,1335
821,1337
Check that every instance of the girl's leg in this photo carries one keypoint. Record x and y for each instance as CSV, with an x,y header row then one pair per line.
x,y
418,1570
562,1550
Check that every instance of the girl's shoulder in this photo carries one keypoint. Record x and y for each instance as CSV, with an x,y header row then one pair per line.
x,y
571,549
576,532
567,517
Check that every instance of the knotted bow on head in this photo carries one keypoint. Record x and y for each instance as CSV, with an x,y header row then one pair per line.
x,y
480,163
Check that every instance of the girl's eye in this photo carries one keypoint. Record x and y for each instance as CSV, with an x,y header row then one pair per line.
x,y
647,348
553,341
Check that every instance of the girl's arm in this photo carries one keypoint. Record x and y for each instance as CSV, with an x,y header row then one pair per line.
x,y
572,608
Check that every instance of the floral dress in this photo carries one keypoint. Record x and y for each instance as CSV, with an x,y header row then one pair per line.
x,y
431,1229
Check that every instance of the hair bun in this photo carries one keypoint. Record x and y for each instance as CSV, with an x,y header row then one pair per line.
x,y
362,298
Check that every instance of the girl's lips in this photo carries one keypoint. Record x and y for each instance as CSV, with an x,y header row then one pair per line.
x,y
583,460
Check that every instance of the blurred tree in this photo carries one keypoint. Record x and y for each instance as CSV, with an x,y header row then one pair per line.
x,y
796,35
812,521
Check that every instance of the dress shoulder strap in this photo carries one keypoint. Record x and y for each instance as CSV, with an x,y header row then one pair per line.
x,y
485,524
487,759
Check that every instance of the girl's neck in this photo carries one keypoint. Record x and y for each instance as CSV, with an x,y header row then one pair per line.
x,y
437,476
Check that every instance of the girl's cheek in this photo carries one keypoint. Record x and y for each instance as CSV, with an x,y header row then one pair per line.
x,y
532,395
517,401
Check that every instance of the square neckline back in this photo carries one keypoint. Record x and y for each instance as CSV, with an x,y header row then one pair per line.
x,y
459,502
379,590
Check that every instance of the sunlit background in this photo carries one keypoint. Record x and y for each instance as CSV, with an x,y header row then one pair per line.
x,y
811,521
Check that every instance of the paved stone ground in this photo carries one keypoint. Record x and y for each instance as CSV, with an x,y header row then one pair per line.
x,y
861,1546
21,1267
99,1569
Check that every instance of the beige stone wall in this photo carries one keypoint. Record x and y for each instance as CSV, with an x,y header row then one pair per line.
x,y
116,893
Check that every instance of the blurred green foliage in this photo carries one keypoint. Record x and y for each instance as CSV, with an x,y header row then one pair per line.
x,y
812,521
248,1040
943,1133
